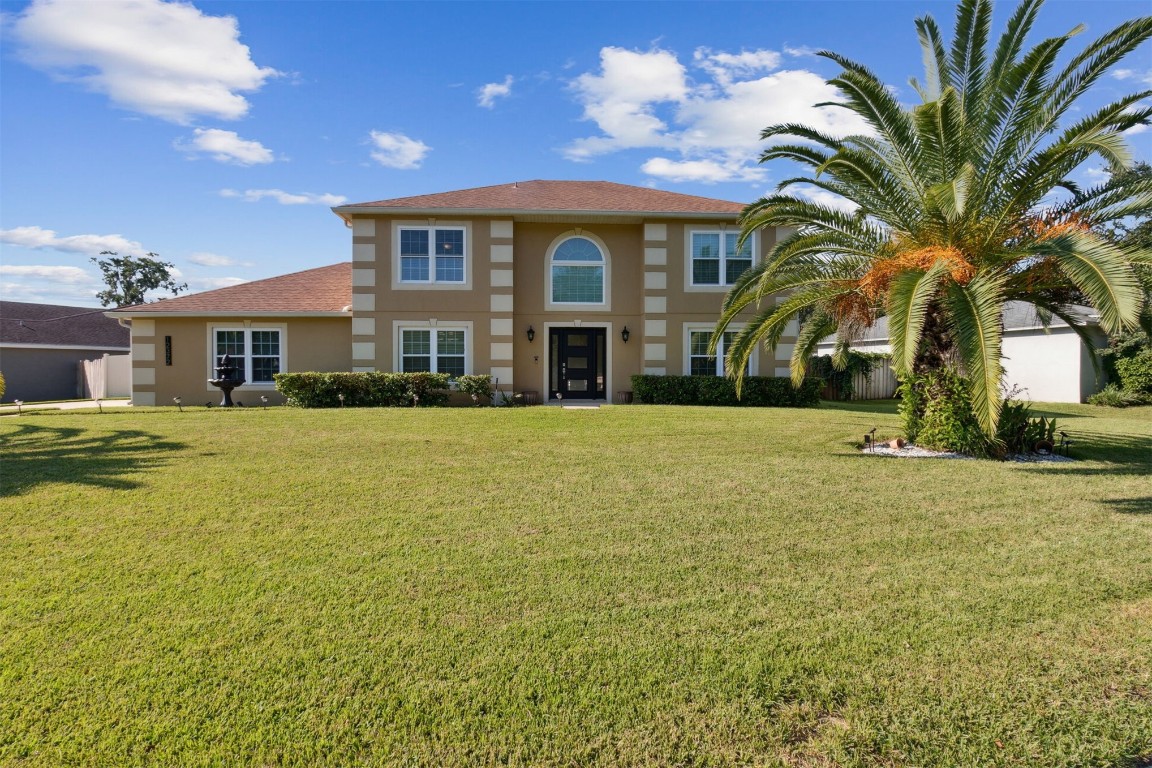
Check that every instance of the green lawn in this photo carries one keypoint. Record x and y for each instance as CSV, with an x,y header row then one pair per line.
x,y
624,586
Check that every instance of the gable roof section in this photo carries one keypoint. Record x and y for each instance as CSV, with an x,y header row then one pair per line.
x,y
1017,315
320,291
53,325
554,197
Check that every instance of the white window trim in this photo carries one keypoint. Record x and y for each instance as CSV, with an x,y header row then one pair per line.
x,y
247,326
431,284
753,362
603,306
721,287
399,326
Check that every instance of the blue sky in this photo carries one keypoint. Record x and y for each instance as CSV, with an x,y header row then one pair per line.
x,y
219,134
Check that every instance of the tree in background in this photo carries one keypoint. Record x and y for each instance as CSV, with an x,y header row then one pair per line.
x,y
129,278
953,212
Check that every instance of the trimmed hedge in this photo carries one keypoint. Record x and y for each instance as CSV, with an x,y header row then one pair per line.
x,y
363,390
758,391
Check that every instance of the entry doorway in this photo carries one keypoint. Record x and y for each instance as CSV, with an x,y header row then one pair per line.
x,y
577,360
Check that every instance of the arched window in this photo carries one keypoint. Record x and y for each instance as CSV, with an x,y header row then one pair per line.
x,y
577,272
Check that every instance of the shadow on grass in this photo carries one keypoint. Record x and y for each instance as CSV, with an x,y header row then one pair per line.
x,y
1131,506
35,454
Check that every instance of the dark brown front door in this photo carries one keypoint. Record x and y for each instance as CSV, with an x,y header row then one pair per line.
x,y
577,362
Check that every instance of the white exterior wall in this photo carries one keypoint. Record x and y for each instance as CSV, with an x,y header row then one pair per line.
x,y
1048,366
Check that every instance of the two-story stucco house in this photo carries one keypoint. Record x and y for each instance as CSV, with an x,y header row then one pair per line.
x,y
558,288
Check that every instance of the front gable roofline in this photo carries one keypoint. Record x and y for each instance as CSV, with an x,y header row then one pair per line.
x,y
576,199
128,314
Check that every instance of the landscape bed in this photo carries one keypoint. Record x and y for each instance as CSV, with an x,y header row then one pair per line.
x,y
635,585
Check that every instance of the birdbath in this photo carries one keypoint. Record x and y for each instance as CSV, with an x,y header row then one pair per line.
x,y
226,380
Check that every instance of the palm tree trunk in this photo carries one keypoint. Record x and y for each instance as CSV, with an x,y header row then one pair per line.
x,y
937,347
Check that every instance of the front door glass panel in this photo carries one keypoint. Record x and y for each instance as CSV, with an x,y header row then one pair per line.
x,y
577,362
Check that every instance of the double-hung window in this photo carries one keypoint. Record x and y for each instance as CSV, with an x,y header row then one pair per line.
x,y
700,363
432,255
717,259
433,350
256,352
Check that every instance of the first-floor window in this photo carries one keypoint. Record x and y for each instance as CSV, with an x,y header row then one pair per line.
x,y
700,363
432,350
255,352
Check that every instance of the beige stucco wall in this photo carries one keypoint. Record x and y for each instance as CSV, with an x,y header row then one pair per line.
x,y
506,291
308,344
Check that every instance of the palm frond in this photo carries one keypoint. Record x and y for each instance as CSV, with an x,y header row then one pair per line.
x,y
975,312
909,297
1103,271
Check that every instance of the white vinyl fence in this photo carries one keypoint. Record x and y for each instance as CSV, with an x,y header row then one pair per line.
x,y
880,385
106,377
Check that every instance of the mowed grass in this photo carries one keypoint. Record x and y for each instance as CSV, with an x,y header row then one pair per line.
x,y
624,586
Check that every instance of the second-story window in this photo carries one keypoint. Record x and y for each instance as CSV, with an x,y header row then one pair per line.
x,y
716,259
432,255
577,272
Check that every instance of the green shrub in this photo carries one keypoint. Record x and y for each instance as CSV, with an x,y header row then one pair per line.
x,y
938,415
364,390
757,391
1136,372
1114,397
1018,432
478,386
840,381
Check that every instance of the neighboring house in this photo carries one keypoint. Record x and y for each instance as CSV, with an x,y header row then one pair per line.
x,y
42,347
1050,365
559,288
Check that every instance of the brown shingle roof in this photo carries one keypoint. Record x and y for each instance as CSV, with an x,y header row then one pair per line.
x,y
324,289
59,326
592,196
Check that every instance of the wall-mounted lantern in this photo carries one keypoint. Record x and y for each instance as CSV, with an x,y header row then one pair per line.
x,y
625,334
531,334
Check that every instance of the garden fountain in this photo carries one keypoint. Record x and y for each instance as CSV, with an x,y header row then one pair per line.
x,y
226,380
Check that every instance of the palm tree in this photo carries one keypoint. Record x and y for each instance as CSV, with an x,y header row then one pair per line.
x,y
955,206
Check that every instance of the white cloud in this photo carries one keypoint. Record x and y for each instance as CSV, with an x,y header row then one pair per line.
x,y
205,259
212,283
227,147
646,100
285,198
46,239
723,67
825,198
395,150
61,274
165,59
1096,175
1144,77
705,171
621,100
798,51
486,96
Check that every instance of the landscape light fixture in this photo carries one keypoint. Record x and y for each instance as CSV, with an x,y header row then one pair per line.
x,y
531,334
340,397
264,400
625,334
179,403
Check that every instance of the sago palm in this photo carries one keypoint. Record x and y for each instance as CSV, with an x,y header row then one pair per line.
x,y
960,203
